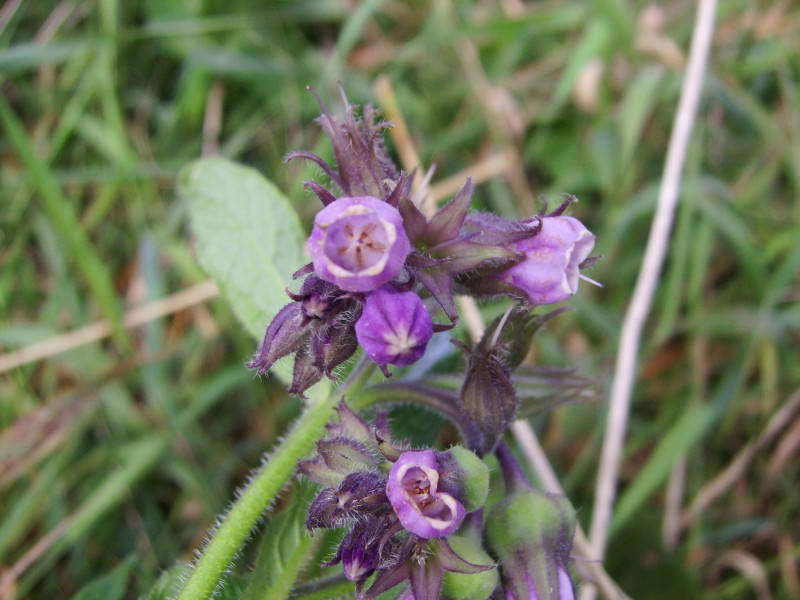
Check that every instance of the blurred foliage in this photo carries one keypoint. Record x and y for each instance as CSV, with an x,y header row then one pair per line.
x,y
132,446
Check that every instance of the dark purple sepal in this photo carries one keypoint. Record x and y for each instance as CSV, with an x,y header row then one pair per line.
x,y
401,190
322,193
478,260
345,455
331,346
482,287
303,271
329,170
426,578
438,282
560,209
414,221
286,333
451,561
446,224
490,229
305,373
387,579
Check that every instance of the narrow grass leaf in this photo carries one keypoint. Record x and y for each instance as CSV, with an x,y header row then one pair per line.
x,y
110,586
62,216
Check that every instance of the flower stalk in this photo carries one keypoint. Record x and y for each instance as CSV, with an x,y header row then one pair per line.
x,y
256,498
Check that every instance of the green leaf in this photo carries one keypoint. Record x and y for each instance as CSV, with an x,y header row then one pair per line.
x,y
249,238
284,548
110,586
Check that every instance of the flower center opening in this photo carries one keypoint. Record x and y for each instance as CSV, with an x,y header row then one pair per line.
x,y
357,242
423,494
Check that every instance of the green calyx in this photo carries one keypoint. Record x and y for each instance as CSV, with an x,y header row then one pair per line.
x,y
470,474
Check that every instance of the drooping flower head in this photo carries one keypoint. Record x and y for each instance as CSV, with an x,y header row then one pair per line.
x,y
394,327
550,271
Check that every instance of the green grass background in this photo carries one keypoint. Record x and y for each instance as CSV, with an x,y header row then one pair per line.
x,y
131,447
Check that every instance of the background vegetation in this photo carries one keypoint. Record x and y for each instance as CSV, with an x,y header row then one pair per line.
x,y
121,453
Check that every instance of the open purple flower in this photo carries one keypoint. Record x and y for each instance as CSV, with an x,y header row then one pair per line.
x,y
551,269
413,490
394,327
358,243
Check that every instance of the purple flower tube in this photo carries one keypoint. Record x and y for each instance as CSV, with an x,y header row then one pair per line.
x,y
551,269
394,327
358,243
413,492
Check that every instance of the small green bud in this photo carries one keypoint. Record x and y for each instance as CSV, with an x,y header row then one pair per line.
x,y
470,586
466,476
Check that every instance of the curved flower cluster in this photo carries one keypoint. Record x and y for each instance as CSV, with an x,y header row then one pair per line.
x,y
398,521
380,268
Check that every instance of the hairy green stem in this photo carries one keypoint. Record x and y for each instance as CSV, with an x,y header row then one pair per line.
x,y
243,516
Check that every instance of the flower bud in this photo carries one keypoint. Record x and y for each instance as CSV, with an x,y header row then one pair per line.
x,y
531,533
394,327
413,491
551,269
358,243
465,475
285,334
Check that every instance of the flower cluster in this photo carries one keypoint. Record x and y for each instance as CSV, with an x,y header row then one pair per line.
x,y
401,507
380,268
382,277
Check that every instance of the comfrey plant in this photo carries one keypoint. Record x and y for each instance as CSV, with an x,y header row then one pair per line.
x,y
382,277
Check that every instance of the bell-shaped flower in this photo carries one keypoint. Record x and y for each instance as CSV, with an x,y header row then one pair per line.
x,y
358,243
550,271
394,327
413,490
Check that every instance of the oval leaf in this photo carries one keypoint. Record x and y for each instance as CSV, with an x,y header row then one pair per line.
x,y
249,238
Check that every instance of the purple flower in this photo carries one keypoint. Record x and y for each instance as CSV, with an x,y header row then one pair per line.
x,y
551,268
358,243
413,490
394,327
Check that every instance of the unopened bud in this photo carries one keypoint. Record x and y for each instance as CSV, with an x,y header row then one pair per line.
x,y
531,533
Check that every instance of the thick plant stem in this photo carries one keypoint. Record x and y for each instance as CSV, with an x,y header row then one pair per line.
x,y
256,498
